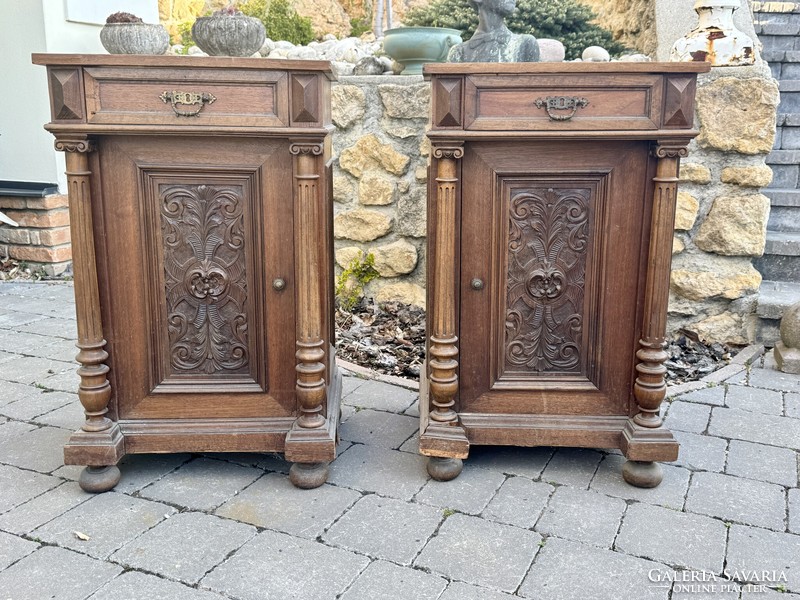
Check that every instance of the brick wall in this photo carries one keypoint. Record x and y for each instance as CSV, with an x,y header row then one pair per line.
x,y
42,239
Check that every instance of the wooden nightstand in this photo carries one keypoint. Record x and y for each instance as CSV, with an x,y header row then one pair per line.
x,y
550,224
201,222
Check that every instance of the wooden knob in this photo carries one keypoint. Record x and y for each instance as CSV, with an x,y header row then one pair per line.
x,y
279,284
477,284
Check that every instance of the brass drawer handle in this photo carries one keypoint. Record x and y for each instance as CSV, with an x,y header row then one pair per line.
x,y
279,284
187,99
477,284
557,103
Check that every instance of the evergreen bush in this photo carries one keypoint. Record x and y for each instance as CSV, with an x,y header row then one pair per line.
x,y
281,20
568,21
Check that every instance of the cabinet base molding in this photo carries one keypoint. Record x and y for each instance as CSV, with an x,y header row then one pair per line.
x,y
95,448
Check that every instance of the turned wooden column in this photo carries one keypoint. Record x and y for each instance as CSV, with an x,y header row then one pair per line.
x,y
443,350
444,440
98,442
310,355
310,444
650,388
94,390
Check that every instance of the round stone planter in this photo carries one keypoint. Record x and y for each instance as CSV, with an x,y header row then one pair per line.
x,y
134,38
412,47
229,35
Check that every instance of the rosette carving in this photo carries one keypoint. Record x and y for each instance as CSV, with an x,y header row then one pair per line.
x,y
547,252
205,280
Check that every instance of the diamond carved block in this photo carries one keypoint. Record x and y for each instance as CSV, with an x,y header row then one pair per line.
x,y
447,102
679,101
305,99
66,88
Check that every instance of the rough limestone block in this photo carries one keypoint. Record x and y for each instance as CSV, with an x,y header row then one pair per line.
x,y
708,277
397,258
369,153
686,211
757,176
738,114
735,226
361,225
695,173
376,188
348,105
406,101
345,256
727,328
408,293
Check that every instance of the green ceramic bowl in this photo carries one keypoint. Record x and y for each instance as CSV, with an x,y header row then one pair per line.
x,y
415,46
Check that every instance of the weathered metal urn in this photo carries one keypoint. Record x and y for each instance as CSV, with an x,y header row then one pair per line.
x,y
716,38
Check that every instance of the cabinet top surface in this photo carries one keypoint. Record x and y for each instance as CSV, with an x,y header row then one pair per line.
x,y
433,69
136,60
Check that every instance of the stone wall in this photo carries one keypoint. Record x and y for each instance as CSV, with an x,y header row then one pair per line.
x,y
379,180
722,216
42,239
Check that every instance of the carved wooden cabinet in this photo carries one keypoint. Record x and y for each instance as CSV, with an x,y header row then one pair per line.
x,y
550,222
201,218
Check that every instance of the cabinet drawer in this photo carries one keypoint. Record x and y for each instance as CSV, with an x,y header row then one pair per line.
x,y
235,97
580,102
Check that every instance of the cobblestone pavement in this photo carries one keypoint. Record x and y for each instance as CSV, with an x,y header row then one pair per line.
x,y
533,523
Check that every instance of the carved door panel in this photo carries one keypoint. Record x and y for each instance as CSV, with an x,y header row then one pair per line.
x,y
552,261
196,231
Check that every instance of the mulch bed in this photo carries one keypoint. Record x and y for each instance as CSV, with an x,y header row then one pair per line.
x,y
390,339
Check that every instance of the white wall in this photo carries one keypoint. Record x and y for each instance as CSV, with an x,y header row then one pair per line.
x,y
59,26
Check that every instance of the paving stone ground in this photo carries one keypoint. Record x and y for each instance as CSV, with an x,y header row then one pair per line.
x,y
539,523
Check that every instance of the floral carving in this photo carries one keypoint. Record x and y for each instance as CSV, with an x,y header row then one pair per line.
x,y
205,279
548,244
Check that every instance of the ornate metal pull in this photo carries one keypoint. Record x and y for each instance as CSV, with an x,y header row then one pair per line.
x,y
477,284
187,99
556,103
279,284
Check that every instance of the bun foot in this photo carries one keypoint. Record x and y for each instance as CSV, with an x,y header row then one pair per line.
x,y
444,469
642,474
307,476
96,480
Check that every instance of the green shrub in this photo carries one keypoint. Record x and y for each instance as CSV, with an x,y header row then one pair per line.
x,y
281,20
565,20
360,26
350,284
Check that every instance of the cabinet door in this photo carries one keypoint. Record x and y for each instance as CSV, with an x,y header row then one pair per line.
x,y
554,232
192,233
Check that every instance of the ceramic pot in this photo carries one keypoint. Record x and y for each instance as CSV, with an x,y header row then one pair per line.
x,y
715,39
412,47
134,38
229,35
